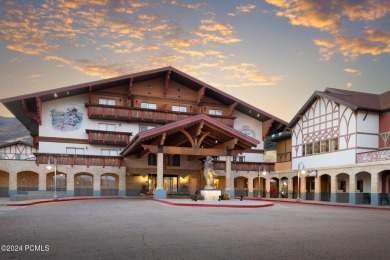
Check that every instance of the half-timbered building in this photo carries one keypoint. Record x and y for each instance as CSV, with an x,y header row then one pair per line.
x,y
142,133
340,148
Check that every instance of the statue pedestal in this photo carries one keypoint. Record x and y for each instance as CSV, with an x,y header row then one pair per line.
x,y
211,194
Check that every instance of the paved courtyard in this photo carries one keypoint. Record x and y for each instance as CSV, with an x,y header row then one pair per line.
x,y
145,229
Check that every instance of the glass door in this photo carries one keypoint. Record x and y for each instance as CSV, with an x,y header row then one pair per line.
x,y
170,185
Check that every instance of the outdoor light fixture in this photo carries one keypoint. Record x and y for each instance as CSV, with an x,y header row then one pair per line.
x,y
301,169
49,167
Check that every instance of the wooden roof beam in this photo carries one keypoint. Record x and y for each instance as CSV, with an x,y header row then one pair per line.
x,y
143,153
200,95
167,81
228,145
130,88
90,94
267,127
33,115
232,107
39,110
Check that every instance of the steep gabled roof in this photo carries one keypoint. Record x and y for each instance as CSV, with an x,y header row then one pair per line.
x,y
218,131
355,100
14,104
6,144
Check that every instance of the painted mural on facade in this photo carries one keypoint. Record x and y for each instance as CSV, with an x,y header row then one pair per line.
x,y
68,118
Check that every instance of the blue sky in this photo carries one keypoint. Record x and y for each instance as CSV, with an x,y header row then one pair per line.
x,y
272,54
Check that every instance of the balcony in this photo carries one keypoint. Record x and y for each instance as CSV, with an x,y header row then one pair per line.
x,y
383,155
244,166
108,137
87,160
131,114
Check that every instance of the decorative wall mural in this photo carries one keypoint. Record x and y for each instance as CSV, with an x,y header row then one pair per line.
x,y
69,118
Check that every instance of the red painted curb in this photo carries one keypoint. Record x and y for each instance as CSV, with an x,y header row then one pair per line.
x,y
61,200
213,205
323,204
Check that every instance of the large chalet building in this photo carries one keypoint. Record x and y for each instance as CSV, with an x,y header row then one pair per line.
x,y
142,133
338,146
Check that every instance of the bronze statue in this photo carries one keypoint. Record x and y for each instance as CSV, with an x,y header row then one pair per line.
x,y
209,173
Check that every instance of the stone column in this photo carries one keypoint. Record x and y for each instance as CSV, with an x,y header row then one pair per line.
x,y
267,187
352,188
122,184
70,184
317,188
42,181
290,187
302,183
374,189
160,193
96,185
229,189
250,187
333,188
13,183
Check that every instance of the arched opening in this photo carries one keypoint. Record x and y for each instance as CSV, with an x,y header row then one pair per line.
x,y
310,187
109,184
363,188
60,182
274,187
384,196
241,186
259,190
342,192
83,184
325,187
27,181
4,184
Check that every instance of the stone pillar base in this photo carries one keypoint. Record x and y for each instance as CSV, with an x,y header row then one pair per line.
x,y
211,194
374,199
70,192
96,193
121,193
352,198
160,194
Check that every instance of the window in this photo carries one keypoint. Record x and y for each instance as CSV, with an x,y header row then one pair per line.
x,y
179,109
2,156
333,145
359,185
316,147
107,181
238,158
109,152
324,146
105,101
152,159
308,149
215,112
73,150
342,185
106,127
20,156
148,105
143,128
176,160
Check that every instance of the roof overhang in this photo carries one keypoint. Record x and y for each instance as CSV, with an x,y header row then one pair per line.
x,y
197,136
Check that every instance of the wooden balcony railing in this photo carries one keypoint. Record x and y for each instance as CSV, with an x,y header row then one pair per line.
x,y
382,155
108,137
245,166
88,160
97,111
283,157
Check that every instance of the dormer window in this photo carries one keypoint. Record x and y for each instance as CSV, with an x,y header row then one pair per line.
x,y
179,109
216,112
105,101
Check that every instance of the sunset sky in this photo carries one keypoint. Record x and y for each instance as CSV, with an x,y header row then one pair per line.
x,y
272,54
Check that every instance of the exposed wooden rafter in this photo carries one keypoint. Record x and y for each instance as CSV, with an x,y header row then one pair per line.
x,y
228,145
188,150
90,94
130,88
39,109
143,153
33,115
267,127
232,107
200,95
167,81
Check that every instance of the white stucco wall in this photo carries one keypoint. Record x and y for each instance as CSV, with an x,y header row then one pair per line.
x,y
326,159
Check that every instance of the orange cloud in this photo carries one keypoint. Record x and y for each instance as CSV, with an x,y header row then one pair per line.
x,y
243,9
353,71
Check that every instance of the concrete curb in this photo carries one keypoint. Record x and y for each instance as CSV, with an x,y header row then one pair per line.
x,y
59,200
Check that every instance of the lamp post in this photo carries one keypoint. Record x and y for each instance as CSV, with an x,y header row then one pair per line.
x,y
49,167
301,169
264,173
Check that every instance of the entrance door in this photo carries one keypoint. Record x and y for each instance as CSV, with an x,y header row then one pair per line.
x,y
170,185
